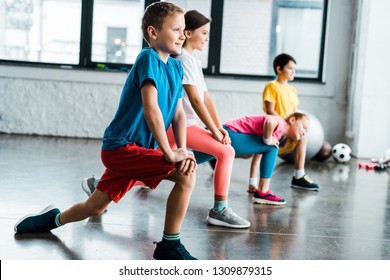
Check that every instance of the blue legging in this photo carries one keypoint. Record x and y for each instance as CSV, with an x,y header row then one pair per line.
x,y
248,144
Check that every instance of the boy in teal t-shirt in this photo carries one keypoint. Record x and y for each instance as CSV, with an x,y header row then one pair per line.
x,y
149,104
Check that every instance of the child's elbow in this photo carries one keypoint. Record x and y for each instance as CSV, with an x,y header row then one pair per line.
x,y
270,121
179,116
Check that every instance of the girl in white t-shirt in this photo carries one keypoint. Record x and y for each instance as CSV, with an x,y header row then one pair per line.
x,y
201,111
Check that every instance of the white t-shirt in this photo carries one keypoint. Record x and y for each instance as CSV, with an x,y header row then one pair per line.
x,y
193,75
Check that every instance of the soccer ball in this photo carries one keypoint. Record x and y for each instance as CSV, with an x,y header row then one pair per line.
x,y
341,152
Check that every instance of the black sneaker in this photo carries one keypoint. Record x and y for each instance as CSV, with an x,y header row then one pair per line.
x,y
304,183
169,251
42,222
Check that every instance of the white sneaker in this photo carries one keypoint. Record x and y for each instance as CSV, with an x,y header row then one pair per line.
x,y
88,185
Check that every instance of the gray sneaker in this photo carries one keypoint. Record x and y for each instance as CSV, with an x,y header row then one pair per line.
x,y
226,218
88,185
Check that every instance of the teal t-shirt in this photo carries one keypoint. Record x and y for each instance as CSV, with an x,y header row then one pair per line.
x,y
129,125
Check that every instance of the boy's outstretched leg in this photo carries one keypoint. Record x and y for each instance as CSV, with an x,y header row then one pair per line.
x,y
51,217
170,248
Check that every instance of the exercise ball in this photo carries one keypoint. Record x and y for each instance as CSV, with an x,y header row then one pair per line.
x,y
315,139
324,153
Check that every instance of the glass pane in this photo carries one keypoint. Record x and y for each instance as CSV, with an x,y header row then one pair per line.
x,y
270,27
117,36
204,7
298,33
40,30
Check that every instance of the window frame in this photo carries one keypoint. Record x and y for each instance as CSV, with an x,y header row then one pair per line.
x,y
214,51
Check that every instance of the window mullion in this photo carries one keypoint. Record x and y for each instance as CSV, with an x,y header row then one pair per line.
x,y
215,38
86,33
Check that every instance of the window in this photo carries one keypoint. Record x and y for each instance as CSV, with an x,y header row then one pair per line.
x,y
249,46
40,30
245,35
115,46
117,36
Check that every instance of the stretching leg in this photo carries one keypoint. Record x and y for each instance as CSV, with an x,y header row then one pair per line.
x,y
245,144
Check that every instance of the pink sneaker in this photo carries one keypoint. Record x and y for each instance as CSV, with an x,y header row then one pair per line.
x,y
267,198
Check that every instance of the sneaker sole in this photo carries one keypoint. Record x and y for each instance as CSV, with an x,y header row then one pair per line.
x,y
303,188
216,222
44,211
267,202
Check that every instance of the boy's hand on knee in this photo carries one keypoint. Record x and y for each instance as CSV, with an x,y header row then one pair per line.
x,y
187,166
187,161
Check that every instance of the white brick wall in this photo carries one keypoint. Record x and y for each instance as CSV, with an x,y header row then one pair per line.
x,y
60,108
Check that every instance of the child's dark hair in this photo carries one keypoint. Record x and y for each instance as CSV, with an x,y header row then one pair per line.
x,y
282,60
194,20
155,15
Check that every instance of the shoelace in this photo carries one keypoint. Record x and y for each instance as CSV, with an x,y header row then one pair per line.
x,y
308,179
230,211
181,251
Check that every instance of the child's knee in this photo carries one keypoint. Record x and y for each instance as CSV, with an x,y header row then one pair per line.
x,y
188,181
227,152
232,152
192,179
94,209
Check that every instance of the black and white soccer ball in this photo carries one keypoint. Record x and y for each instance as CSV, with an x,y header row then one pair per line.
x,y
341,152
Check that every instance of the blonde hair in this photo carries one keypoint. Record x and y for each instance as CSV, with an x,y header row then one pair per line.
x,y
290,144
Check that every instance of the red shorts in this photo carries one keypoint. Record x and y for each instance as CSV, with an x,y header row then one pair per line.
x,y
127,165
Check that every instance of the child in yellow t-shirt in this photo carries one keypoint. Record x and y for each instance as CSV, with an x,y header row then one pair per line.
x,y
280,98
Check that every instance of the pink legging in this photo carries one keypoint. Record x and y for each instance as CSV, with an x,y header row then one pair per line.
x,y
200,139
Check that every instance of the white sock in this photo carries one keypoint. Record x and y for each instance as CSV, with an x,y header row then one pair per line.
x,y
299,173
253,181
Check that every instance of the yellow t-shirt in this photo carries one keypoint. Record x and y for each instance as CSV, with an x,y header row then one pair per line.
x,y
283,96
286,101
